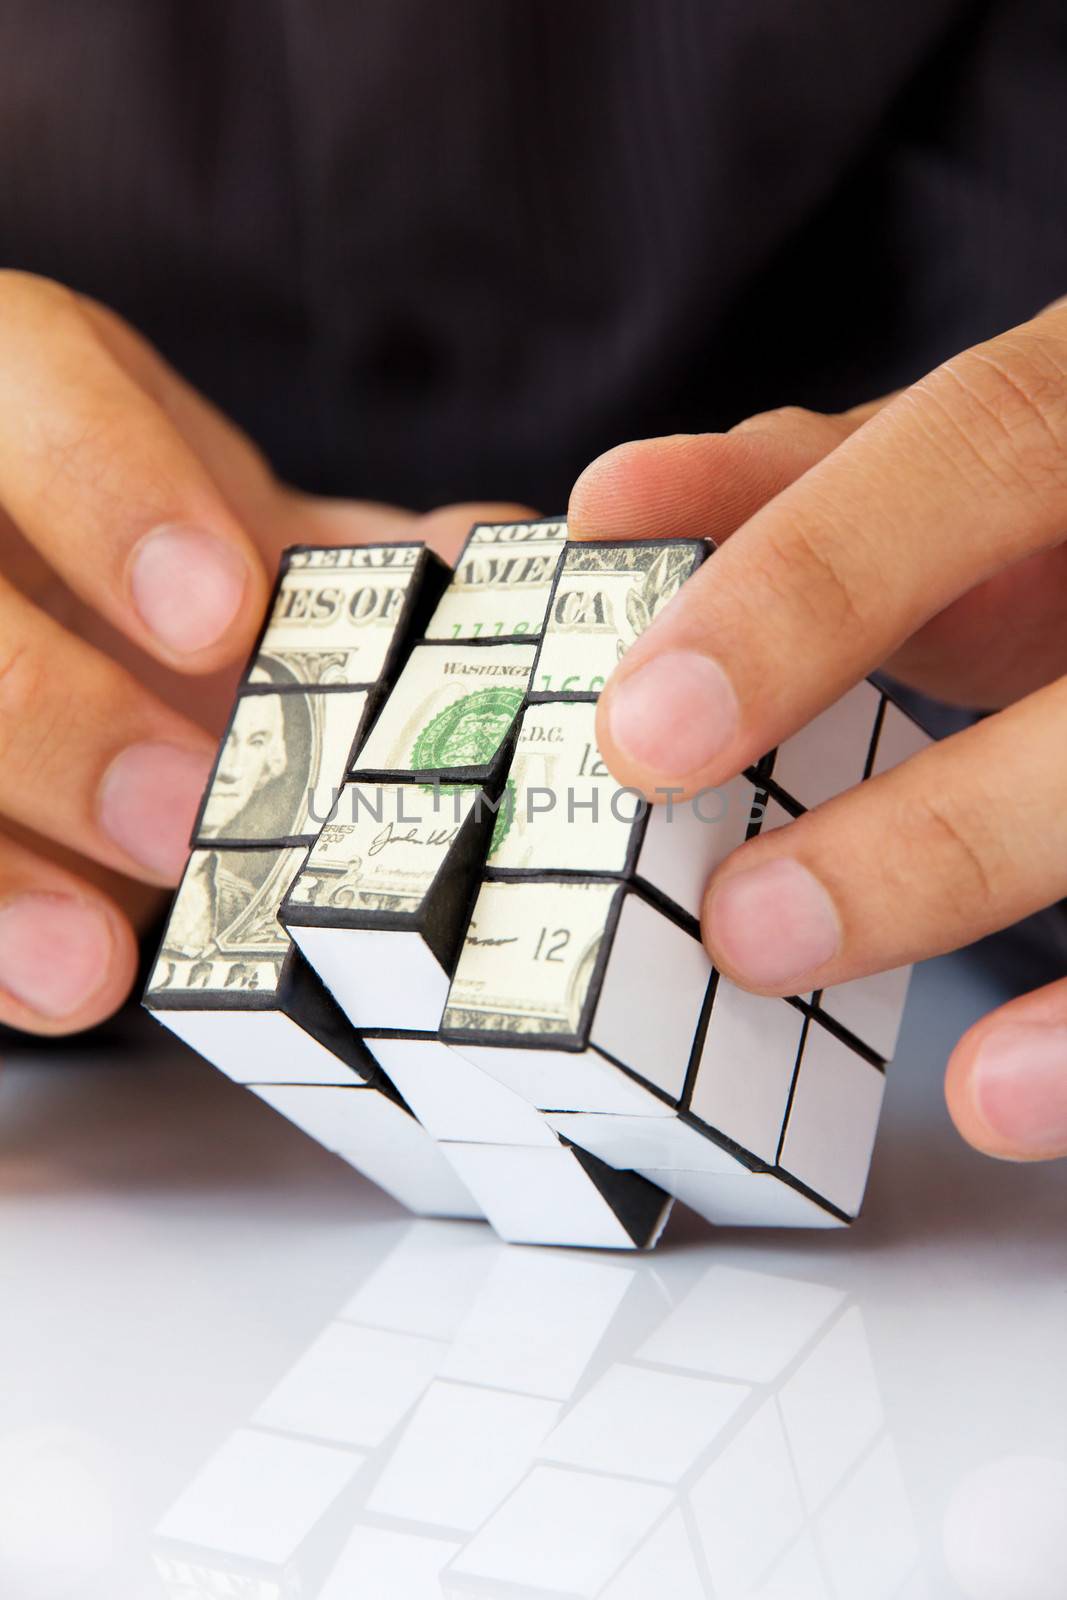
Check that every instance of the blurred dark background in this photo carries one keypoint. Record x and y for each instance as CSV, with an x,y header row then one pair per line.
x,y
428,251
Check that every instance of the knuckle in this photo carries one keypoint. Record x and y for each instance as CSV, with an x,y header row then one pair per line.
x,y
1011,399
25,728
26,298
801,566
946,837
791,420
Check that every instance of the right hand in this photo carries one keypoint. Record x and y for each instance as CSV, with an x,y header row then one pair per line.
x,y
137,530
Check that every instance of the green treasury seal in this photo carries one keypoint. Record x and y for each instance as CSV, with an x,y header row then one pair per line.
x,y
467,733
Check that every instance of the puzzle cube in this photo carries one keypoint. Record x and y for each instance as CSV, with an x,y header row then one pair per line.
x,y
423,923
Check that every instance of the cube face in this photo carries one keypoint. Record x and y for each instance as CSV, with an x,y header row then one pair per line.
x,y
381,1139
640,1143
258,1046
606,595
543,1196
751,1200
563,806
564,812
568,1080
684,842
379,979
339,614
831,754
382,850
223,939
450,713
747,1063
528,961
650,956
280,766
832,1120
455,1100
871,1008
898,738
502,582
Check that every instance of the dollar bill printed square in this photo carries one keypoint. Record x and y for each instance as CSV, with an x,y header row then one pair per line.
x,y
605,596
383,848
528,959
338,613
451,710
223,936
562,810
502,582
281,766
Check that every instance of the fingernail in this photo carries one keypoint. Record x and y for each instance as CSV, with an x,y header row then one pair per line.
x,y
1019,1085
674,714
187,586
54,952
772,925
148,802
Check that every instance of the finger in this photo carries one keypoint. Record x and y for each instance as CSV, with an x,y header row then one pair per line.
x,y
67,955
140,903
995,644
104,486
701,485
966,837
87,756
954,480
1006,1084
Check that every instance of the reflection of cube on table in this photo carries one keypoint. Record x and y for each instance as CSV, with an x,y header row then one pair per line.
x,y
238,1527
381,903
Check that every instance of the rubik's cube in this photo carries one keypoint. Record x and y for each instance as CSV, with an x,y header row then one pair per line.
x,y
422,921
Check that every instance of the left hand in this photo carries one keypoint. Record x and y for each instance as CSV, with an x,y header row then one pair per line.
x,y
926,534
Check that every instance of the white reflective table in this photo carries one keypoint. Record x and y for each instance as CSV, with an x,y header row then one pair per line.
x,y
230,1368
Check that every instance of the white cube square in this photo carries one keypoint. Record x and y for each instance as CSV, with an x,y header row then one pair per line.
x,y
832,1120
830,754
746,1067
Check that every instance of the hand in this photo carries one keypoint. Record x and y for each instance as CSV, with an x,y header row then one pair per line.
x,y
139,531
925,534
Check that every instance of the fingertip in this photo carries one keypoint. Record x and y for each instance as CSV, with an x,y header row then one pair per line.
x,y
668,718
630,490
771,926
68,959
198,594
1006,1087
